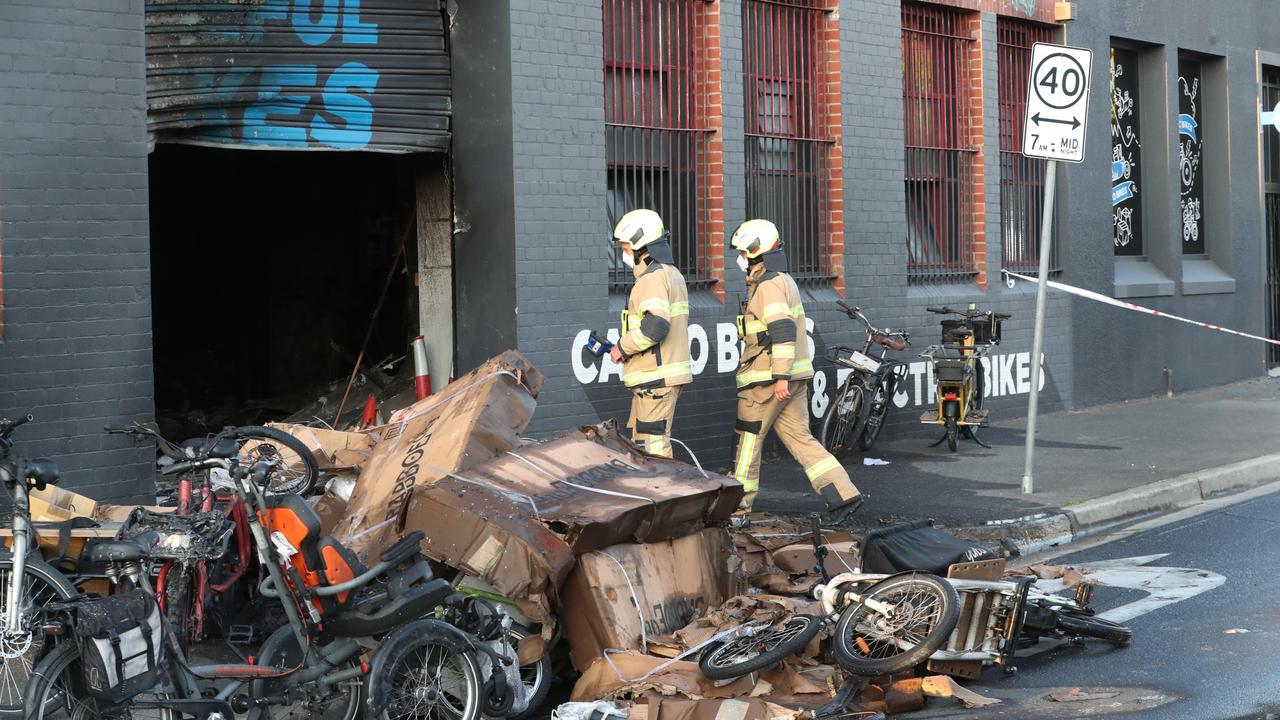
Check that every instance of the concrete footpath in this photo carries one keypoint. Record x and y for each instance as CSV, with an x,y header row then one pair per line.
x,y
1094,467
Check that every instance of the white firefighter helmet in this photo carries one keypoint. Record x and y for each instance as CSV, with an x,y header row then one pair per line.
x,y
756,238
640,228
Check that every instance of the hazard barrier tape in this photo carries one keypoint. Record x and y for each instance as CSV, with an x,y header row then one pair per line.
x,y
1090,295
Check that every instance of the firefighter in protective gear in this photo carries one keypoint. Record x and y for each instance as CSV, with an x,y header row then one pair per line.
x,y
653,346
773,376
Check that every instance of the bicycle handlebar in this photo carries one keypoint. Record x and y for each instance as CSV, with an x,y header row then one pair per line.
x,y
8,426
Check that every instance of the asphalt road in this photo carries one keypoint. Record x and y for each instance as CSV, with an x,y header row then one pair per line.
x,y
1182,662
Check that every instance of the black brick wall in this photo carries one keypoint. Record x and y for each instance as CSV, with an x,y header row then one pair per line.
x,y
76,350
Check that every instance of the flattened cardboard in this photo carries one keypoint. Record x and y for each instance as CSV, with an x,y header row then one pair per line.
x,y
753,708
595,489
667,583
468,422
625,678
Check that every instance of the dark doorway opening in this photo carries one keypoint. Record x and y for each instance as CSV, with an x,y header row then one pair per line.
x,y
266,267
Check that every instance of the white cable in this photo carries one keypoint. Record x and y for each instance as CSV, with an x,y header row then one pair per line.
x,y
695,457
601,491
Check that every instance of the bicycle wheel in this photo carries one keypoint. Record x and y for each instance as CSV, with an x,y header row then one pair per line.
x,y
838,422
19,652
56,692
1080,625
979,385
953,434
764,649
925,611
536,677
299,473
281,650
178,609
430,680
876,419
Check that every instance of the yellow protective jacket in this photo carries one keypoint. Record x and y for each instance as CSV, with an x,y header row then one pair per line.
x,y
655,329
775,339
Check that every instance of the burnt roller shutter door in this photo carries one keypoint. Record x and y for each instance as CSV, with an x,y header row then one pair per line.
x,y
298,74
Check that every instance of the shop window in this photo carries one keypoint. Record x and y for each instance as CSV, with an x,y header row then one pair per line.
x,y
939,158
656,145
788,128
1021,178
1126,153
1191,134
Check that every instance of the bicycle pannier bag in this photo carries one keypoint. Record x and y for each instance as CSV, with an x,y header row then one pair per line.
x,y
121,645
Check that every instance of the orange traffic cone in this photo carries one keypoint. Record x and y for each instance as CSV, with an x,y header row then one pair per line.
x,y
421,374
370,416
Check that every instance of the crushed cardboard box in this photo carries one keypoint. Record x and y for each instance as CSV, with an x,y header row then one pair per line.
x,y
632,674
663,585
472,420
55,504
595,489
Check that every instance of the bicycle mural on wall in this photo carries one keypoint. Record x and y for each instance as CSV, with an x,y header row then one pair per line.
x,y
1190,152
1125,151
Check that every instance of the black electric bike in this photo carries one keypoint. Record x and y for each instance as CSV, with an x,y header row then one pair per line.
x,y
861,405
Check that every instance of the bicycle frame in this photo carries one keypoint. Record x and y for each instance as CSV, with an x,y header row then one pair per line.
x,y
320,664
999,602
950,390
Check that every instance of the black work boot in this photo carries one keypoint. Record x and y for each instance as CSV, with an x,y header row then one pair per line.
x,y
840,514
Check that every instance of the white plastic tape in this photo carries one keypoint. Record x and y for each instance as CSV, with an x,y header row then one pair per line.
x,y
1098,297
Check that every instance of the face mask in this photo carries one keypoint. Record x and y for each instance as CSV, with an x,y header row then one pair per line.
x,y
629,259
743,264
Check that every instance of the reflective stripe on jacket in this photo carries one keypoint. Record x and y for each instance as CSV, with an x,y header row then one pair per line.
x,y
655,329
774,335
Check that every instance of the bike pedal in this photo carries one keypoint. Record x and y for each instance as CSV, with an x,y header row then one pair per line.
x,y
240,634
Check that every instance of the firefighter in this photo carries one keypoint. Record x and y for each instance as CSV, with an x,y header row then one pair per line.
x,y
653,346
773,376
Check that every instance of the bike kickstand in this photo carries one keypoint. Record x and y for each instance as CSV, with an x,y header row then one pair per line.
x,y
940,441
973,435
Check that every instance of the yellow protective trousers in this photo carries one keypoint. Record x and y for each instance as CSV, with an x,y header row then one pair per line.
x,y
652,411
759,410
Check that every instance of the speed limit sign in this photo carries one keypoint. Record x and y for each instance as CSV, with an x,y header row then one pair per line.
x,y
1057,102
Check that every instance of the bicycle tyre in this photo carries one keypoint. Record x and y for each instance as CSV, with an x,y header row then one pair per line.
x,y
858,658
979,385
55,672
834,422
281,650
14,672
394,667
178,609
871,430
1080,625
297,485
790,638
537,676
953,434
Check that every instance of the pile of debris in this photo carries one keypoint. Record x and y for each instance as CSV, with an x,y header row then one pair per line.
x,y
627,555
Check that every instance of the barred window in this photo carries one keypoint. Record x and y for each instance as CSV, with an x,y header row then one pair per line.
x,y
787,174
1021,178
936,46
655,147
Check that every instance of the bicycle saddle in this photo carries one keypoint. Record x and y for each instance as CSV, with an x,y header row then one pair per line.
x,y
115,551
133,549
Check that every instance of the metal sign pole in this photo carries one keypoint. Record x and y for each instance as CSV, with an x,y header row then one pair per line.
x,y
1037,343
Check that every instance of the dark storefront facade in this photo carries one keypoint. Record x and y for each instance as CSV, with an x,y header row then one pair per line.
x,y
883,136
200,201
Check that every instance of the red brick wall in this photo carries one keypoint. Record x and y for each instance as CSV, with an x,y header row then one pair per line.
x,y
976,127
831,126
710,116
